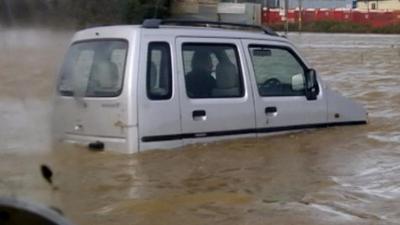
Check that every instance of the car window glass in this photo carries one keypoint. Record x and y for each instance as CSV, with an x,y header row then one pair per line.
x,y
159,75
212,71
277,72
94,69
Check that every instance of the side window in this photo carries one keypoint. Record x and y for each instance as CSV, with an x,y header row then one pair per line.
x,y
159,73
212,71
277,71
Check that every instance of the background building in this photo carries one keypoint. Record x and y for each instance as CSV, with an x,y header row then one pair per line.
x,y
266,3
198,9
248,12
328,4
209,7
379,5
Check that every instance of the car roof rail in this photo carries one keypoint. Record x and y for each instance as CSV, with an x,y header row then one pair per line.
x,y
155,23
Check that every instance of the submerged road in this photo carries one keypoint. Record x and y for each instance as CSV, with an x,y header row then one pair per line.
x,y
338,175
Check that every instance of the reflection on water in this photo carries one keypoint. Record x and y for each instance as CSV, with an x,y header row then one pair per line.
x,y
339,175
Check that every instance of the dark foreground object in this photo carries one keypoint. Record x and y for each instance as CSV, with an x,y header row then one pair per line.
x,y
46,173
17,212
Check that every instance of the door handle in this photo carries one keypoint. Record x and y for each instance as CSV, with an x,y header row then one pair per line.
x,y
271,110
199,115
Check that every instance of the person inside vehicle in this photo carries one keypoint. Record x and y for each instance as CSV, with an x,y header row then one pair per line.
x,y
199,82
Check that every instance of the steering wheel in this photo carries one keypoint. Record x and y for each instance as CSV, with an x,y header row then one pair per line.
x,y
272,82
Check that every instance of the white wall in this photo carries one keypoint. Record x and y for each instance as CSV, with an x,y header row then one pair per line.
x,y
380,5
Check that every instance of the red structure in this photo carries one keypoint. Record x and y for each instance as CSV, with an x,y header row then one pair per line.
x,y
373,18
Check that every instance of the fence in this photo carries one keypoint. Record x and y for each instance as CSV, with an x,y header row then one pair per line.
x,y
373,18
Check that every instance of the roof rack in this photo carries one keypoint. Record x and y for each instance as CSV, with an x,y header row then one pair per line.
x,y
155,23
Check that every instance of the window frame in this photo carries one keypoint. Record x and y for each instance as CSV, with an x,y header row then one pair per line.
x,y
117,94
235,47
291,52
149,95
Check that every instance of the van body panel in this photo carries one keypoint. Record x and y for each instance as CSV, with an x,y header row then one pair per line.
x,y
220,137
134,119
112,143
344,110
159,119
287,111
82,119
130,90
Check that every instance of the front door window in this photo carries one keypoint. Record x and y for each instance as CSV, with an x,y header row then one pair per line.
x,y
277,72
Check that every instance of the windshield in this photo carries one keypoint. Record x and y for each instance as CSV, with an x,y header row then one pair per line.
x,y
94,69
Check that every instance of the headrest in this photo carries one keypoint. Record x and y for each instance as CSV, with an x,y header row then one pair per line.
x,y
226,76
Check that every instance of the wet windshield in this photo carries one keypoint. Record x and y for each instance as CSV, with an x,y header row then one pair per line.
x,y
94,69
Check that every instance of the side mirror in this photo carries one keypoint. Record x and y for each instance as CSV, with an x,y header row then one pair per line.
x,y
298,82
312,89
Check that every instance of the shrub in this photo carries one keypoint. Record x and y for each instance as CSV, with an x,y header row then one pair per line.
x,y
80,13
389,29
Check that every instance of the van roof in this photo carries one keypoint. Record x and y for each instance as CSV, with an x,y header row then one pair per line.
x,y
179,30
156,23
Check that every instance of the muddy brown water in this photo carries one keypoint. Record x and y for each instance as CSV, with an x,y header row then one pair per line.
x,y
339,175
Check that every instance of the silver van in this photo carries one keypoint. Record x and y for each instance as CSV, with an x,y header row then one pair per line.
x,y
164,84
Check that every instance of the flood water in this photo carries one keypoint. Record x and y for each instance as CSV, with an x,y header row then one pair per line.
x,y
338,175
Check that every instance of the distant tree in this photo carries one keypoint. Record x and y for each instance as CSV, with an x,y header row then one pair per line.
x,y
21,10
137,10
3,16
81,13
94,12
87,12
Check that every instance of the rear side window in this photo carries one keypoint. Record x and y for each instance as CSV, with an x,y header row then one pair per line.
x,y
278,71
94,69
212,71
159,73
